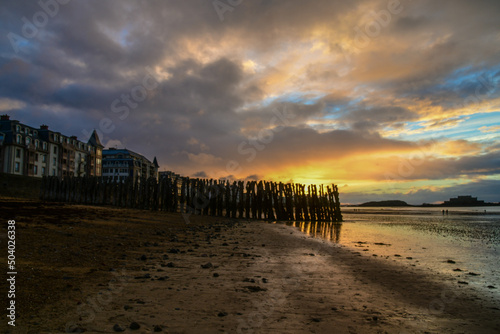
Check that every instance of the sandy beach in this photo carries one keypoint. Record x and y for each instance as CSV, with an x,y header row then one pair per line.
x,y
106,270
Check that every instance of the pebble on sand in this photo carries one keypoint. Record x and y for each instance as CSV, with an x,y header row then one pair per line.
x,y
134,326
118,328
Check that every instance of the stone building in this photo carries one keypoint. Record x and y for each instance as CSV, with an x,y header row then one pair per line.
x,y
25,150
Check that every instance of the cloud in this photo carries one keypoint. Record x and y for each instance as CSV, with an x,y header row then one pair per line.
x,y
217,88
200,174
492,128
7,104
253,177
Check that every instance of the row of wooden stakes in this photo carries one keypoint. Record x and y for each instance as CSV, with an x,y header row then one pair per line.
x,y
222,198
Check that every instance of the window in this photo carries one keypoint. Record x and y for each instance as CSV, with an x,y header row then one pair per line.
x,y
36,143
56,137
28,140
35,169
53,172
54,161
18,128
43,170
19,139
18,153
36,156
44,158
17,167
45,146
55,150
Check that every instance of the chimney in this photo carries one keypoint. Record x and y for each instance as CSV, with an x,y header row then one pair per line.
x,y
44,127
5,117
74,137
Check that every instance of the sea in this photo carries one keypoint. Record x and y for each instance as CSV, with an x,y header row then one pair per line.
x,y
463,243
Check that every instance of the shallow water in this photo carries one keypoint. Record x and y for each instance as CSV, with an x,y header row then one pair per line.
x,y
471,239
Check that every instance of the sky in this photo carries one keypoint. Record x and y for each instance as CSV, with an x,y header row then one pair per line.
x,y
387,99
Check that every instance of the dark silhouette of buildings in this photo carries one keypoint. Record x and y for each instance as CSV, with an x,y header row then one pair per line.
x,y
463,201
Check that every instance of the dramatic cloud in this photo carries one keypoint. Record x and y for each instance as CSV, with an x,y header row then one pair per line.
x,y
392,98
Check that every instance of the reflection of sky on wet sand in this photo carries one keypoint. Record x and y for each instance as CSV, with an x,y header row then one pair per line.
x,y
428,241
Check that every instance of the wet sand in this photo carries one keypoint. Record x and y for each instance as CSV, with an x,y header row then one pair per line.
x,y
153,272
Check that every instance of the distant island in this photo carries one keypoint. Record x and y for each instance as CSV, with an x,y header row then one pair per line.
x,y
460,201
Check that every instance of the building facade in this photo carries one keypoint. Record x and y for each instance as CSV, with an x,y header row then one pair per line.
x,y
25,150
120,164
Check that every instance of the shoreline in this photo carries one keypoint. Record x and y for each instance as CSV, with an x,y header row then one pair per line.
x,y
217,276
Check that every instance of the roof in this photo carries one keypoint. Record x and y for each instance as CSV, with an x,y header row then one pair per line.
x,y
94,140
113,151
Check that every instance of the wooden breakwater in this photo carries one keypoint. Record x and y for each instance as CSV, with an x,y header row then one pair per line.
x,y
222,198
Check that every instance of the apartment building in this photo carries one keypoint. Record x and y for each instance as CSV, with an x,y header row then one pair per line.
x,y
120,164
25,150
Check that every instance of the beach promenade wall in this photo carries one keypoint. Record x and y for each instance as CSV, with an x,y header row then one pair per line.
x,y
221,198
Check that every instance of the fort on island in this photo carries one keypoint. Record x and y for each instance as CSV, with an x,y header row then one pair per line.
x,y
463,201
